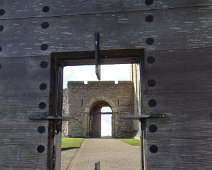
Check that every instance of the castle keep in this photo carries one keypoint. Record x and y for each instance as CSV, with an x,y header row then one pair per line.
x,y
83,103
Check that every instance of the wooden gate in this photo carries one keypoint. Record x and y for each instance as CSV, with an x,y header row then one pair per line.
x,y
177,83
177,37
25,89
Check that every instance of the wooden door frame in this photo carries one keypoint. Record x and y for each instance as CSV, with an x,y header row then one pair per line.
x,y
61,59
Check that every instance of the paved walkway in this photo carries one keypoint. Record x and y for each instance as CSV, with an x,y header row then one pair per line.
x,y
67,157
112,154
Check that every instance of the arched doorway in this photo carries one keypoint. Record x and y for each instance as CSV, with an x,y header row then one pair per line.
x,y
97,127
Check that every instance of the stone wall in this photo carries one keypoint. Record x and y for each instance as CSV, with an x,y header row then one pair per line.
x,y
81,98
65,112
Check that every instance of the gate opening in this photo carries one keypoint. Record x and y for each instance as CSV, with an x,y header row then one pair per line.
x,y
100,120
59,62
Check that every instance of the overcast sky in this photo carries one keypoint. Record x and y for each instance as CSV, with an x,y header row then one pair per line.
x,y
87,73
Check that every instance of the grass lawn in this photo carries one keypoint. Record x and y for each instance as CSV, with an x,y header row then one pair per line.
x,y
131,141
68,143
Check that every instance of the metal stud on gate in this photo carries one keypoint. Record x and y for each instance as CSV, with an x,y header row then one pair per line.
x,y
44,64
150,60
153,149
153,128
45,9
41,129
44,47
42,105
151,83
149,2
152,103
150,41
43,86
1,28
2,12
40,149
45,25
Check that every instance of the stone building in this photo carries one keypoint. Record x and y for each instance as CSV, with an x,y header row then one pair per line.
x,y
83,103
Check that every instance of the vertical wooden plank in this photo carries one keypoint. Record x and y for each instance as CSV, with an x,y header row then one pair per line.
x,y
24,93
176,83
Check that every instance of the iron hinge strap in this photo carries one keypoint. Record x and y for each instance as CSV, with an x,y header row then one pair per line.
x,y
143,116
97,56
47,117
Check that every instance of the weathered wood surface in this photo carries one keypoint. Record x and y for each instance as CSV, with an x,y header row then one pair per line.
x,y
183,93
26,9
20,97
182,29
182,70
179,71
184,137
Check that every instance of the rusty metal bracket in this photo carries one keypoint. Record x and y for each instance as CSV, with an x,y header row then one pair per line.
x,y
97,56
144,116
101,113
47,117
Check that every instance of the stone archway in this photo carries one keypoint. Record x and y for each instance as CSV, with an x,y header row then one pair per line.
x,y
94,115
111,103
82,98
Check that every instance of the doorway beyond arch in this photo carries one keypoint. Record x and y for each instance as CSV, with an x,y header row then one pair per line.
x,y
95,118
